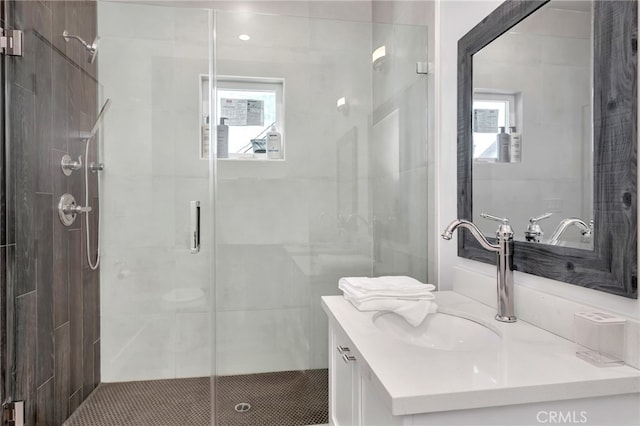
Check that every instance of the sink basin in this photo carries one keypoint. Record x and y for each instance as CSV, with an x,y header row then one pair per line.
x,y
442,331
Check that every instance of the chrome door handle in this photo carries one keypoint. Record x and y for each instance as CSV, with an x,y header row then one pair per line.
x,y
194,235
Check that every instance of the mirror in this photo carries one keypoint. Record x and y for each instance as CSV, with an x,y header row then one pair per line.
x,y
563,73
532,126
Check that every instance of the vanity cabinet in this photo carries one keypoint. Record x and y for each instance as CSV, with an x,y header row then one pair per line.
x,y
534,378
354,399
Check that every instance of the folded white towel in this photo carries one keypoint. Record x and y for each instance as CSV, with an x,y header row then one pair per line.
x,y
388,283
413,311
357,294
403,295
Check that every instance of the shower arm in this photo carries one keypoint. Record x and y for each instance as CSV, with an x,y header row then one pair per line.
x,y
67,36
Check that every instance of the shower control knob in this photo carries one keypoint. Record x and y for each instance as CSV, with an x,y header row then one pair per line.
x,y
68,165
68,209
77,209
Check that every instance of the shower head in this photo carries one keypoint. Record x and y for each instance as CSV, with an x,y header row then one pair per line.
x,y
101,115
92,48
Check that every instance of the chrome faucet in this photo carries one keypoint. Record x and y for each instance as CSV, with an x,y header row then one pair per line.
x,y
585,229
504,254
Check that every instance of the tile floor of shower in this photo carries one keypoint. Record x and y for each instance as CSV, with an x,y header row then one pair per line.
x,y
288,398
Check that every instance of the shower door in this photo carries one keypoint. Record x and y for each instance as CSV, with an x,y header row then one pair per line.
x,y
156,291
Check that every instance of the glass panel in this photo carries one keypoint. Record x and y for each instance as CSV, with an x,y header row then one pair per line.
x,y
349,201
401,152
155,289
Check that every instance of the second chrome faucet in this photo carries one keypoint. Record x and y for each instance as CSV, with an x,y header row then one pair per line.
x,y
504,260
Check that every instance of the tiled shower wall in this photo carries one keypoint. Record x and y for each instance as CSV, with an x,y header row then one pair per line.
x,y
50,346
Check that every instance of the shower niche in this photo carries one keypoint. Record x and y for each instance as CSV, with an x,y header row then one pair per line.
x,y
246,110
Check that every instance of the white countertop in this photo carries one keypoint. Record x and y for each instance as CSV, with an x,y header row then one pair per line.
x,y
529,365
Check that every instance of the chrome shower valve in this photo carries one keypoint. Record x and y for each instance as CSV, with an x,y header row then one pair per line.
x,y
68,209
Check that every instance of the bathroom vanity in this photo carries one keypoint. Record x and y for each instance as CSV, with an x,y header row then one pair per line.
x,y
463,367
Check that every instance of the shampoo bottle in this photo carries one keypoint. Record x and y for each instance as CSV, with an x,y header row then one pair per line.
x,y
516,145
504,146
204,150
274,144
223,139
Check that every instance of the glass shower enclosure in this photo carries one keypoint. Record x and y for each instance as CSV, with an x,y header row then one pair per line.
x,y
346,197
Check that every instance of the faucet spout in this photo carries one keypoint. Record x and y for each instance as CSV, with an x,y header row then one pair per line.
x,y
504,262
564,224
471,227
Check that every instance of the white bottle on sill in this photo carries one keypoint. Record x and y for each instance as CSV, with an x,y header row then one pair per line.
x,y
516,146
274,144
504,146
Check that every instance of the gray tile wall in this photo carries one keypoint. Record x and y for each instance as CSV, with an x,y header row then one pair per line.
x,y
50,347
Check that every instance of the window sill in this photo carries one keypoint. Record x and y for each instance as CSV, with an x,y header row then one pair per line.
x,y
250,157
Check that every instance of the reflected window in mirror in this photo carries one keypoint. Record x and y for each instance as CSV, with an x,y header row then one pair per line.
x,y
491,113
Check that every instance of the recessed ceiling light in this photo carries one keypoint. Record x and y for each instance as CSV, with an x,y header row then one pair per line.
x,y
244,37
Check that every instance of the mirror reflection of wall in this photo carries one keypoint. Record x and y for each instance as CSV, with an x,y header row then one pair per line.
x,y
536,78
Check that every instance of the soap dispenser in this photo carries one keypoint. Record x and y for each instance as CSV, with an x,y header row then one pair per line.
x,y
274,144
504,146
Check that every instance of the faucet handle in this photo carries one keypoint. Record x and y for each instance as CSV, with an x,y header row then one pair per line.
x,y
504,220
534,232
542,216
504,230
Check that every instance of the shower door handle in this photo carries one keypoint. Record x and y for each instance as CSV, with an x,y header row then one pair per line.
x,y
194,235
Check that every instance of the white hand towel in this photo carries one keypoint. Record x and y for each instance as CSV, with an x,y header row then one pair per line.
x,y
402,295
387,283
361,296
363,288
413,311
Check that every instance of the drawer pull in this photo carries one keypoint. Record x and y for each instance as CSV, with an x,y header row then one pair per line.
x,y
343,349
347,358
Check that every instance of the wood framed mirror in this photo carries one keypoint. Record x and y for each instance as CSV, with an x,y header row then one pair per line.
x,y
609,262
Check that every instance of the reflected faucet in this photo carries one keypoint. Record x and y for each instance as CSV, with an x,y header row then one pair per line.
x,y
504,255
585,229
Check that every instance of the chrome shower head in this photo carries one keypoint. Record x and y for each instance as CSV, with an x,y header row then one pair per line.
x,y
92,48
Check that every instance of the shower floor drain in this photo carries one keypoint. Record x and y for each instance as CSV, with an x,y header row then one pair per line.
x,y
243,407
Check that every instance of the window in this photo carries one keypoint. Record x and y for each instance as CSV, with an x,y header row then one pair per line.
x,y
251,106
490,112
